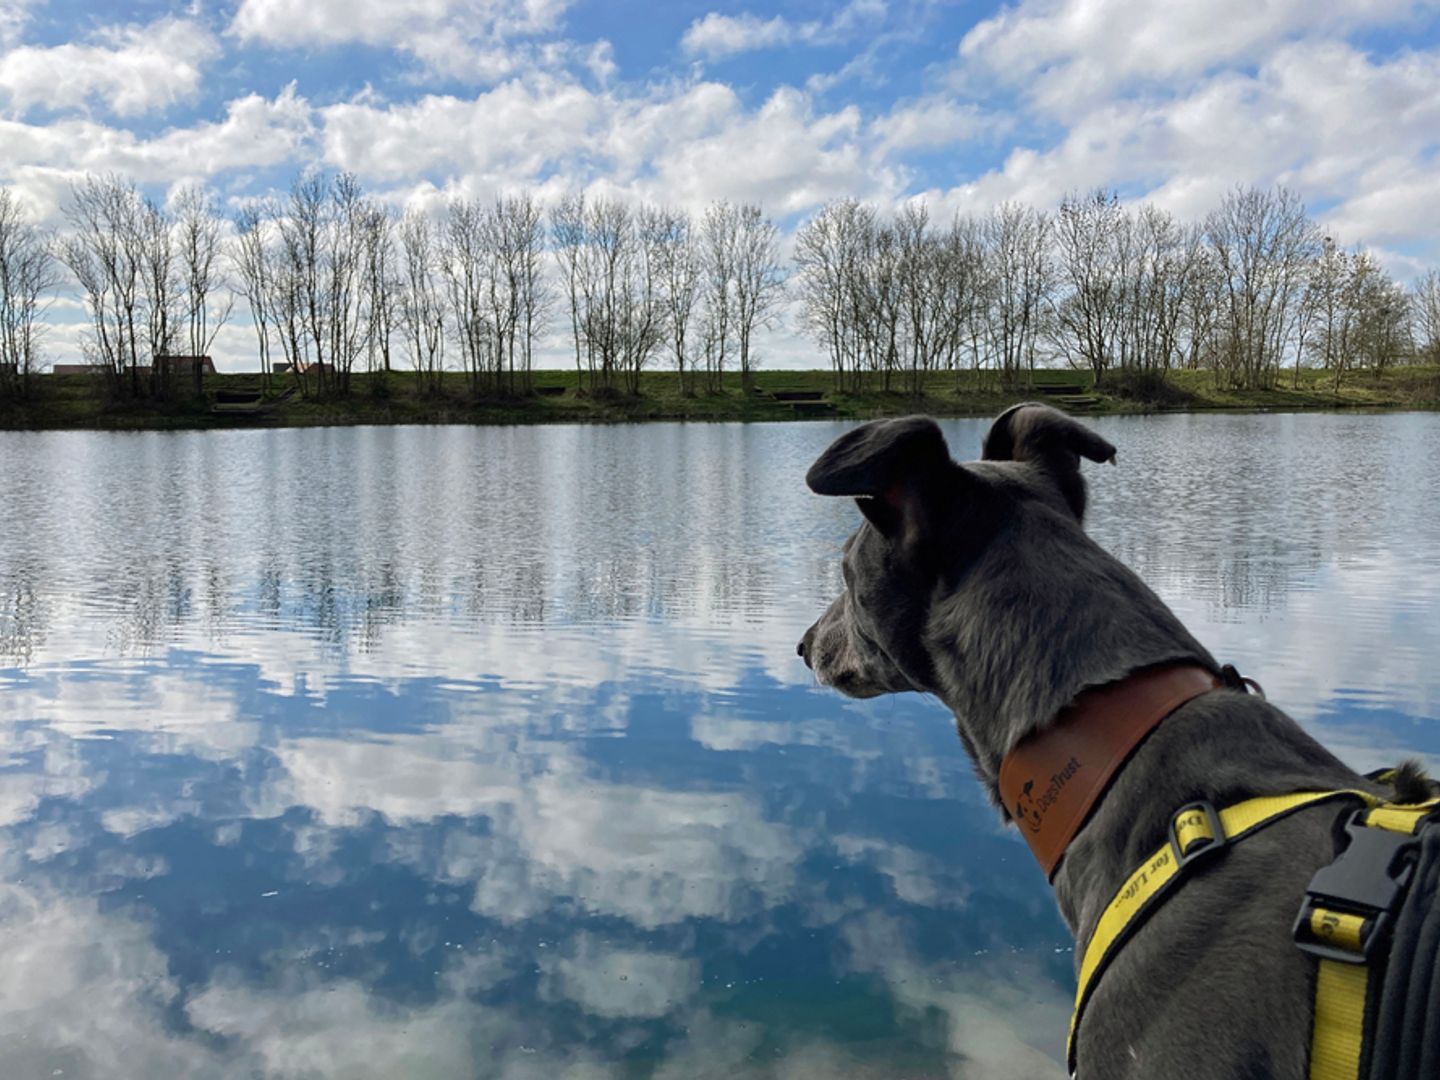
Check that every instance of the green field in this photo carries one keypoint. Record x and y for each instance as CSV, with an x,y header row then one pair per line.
x,y
78,401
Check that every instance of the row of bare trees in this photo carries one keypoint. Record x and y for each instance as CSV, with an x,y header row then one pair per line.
x,y
316,273
652,281
1253,288
150,277
335,281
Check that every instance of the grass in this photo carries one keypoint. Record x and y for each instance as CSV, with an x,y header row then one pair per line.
x,y
78,401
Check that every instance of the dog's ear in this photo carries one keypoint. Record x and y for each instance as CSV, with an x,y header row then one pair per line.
x,y
1038,434
886,465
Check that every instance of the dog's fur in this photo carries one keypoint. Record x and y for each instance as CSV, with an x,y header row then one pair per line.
x,y
976,583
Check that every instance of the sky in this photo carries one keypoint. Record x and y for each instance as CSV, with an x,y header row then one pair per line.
x,y
966,104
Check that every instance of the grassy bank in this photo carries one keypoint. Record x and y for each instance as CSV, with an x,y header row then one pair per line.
x,y
77,401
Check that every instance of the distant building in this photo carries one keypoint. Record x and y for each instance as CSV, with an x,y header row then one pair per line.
x,y
78,369
187,365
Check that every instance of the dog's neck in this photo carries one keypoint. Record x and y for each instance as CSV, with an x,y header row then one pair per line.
x,y
1052,779
1021,659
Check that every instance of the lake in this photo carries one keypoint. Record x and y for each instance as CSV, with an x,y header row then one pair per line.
x,y
485,752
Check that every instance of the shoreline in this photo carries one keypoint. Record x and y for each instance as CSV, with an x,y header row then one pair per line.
x,y
76,403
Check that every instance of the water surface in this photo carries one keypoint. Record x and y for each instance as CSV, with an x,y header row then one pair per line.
x,y
484,752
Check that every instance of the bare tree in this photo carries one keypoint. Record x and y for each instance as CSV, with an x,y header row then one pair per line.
x,y
829,260
965,285
343,269
299,291
922,293
322,281
379,284
1327,280
28,276
1425,316
160,283
463,262
534,297
613,258
1022,277
1262,241
759,281
680,276
567,235
517,292
720,237
200,244
250,257
422,299
103,251
1089,243
1200,316
877,302
888,297
1172,267
610,239
643,304
1382,317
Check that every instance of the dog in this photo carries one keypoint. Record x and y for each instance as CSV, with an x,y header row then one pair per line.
x,y
977,583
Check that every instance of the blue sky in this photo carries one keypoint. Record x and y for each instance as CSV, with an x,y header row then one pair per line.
x,y
964,104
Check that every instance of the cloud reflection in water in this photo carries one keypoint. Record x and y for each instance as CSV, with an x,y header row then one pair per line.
x,y
456,752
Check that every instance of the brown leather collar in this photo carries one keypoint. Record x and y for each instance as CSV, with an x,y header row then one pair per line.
x,y
1053,778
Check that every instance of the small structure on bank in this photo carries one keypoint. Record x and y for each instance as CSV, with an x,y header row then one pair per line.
x,y
186,365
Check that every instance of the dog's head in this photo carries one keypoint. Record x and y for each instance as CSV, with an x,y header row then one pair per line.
x,y
930,522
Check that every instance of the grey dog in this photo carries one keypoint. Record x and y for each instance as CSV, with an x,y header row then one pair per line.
x,y
976,583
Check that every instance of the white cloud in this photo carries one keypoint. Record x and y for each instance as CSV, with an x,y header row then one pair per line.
x,y
716,36
61,774
460,39
931,122
14,14
1070,53
84,994
42,160
784,156
128,70
338,1030
1004,1021
619,983
1337,125
689,146
917,878
511,133
653,856
719,35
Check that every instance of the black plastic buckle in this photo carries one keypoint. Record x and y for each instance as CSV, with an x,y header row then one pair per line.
x,y
1368,879
1207,847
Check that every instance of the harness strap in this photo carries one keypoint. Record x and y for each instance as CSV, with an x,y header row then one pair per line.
x,y
1196,830
1343,997
1338,1036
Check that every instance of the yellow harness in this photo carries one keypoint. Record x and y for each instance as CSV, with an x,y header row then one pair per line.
x,y
1345,915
